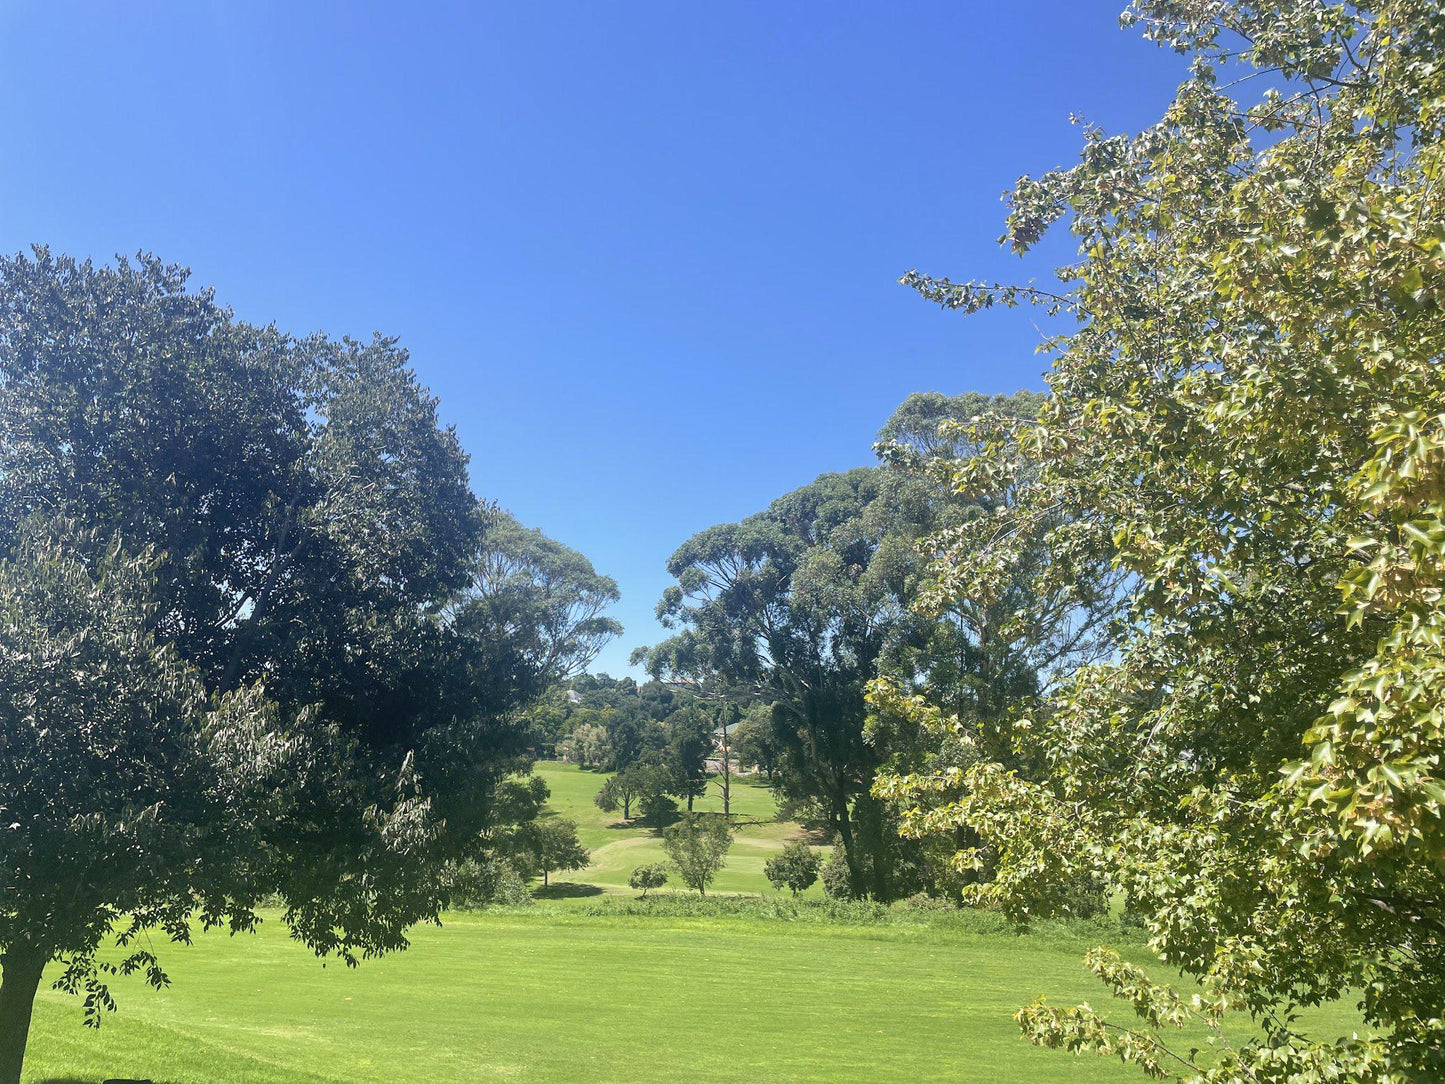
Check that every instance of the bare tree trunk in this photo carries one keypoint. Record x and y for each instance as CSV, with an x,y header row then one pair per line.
x,y
727,769
20,970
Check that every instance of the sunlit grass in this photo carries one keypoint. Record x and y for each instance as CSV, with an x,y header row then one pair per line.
x,y
618,847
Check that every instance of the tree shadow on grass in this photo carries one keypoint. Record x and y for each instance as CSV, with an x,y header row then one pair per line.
x,y
817,835
565,890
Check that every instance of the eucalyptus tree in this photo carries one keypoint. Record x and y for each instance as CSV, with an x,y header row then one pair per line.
x,y
796,605
534,591
310,523
689,745
1249,419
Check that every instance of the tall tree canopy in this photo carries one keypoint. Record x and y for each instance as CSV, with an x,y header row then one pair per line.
x,y
310,526
1249,419
796,605
541,595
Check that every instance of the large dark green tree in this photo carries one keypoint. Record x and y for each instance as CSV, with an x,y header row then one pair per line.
x,y
310,522
689,745
117,773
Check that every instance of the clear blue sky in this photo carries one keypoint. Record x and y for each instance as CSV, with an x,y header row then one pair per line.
x,y
645,253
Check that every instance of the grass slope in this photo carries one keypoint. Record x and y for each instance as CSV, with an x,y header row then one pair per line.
x,y
618,847
552,995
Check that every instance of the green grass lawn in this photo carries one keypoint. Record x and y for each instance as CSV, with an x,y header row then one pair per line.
x,y
580,991
549,995
618,847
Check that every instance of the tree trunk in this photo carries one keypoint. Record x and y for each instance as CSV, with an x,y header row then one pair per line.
x,y
727,780
844,823
544,878
20,970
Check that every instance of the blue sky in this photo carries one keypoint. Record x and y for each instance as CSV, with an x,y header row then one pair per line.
x,y
645,253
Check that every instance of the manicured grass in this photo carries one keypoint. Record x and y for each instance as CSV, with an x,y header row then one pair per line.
x,y
618,847
608,989
548,995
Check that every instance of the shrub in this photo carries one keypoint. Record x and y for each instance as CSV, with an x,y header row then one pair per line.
x,y
648,877
658,810
836,882
922,901
473,883
796,868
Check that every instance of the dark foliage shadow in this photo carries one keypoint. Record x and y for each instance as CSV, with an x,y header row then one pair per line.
x,y
817,835
565,890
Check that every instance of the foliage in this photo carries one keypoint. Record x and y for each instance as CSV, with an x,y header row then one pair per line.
x,y
633,784
658,810
548,844
794,606
126,798
612,724
543,597
837,881
698,846
754,745
647,878
588,746
689,744
790,613
473,883
796,868
310,527
1249,420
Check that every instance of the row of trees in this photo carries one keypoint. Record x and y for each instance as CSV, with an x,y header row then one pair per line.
x,y
258,638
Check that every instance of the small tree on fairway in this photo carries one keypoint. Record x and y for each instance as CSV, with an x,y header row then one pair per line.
x,y
658,810
698,846
552,844
630,785
796,868
617,793
647,878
